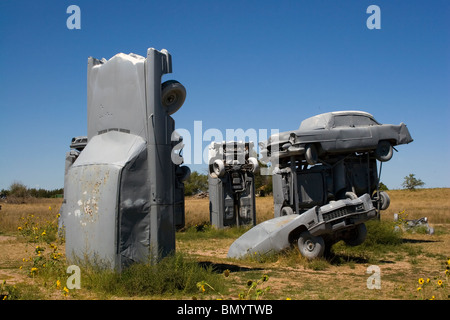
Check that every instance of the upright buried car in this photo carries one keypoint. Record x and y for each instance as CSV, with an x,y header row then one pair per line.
x,y
337,132
232,168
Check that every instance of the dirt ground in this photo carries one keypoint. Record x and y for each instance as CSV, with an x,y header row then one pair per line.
x,y
294,278
345,276
289,277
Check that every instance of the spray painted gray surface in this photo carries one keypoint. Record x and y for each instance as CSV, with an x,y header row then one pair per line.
x,y
123,194
314,230
332,156
325,183
413,225
336,133
232,183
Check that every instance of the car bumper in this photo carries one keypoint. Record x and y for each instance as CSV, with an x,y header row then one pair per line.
x,y
404,137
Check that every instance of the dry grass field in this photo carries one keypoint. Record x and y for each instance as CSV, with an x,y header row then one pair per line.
x,y
432,203
32,264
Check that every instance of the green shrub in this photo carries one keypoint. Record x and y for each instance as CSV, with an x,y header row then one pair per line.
x,y
382,233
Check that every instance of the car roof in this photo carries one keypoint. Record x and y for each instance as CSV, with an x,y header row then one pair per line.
x,y
321,121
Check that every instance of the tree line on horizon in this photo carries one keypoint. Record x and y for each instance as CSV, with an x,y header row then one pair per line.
x,y
19,190
196,183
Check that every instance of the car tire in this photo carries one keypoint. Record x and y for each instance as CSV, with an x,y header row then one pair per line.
x,y
255,165
384,151
351,195
385,200
183,173
218,167
357,235
173,95
311,155
286,211
311,247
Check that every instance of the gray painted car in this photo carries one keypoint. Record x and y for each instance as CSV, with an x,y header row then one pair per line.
x,y
231,180
337,132
123,183
314,231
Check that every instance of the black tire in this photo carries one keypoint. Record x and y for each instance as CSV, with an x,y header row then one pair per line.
x,y
357,236
384,151
183,173
173,95
311,247
311,155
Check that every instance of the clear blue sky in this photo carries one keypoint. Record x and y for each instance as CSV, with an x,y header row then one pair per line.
x,y
245,64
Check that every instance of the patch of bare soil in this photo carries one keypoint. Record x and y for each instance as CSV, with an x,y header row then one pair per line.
x,y
11,254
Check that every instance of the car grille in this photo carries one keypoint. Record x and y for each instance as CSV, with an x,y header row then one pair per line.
x,y
338,213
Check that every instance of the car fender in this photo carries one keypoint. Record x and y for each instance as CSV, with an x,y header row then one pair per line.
x,y
271,235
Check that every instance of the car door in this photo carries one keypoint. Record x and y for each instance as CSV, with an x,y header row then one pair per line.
x,y
352,132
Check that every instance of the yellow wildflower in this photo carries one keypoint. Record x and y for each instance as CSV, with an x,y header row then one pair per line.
x,y
19,228
58,284
439,283
418,289
66,291
43,233
421,281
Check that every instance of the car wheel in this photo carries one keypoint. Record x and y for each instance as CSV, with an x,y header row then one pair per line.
x,y
385,200
384,151
357,235
285,211
218,168
182,173
351,195
311,154
173,95
311,247
255,165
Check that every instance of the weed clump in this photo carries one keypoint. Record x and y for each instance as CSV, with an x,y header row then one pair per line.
x,y
174,274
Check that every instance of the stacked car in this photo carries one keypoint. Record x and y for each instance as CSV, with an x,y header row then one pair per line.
x,y
325,183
